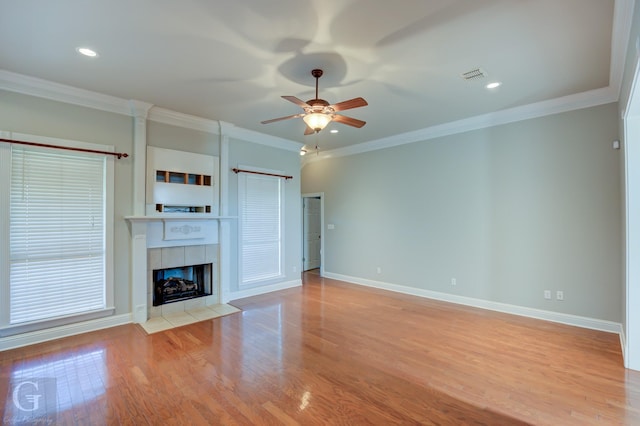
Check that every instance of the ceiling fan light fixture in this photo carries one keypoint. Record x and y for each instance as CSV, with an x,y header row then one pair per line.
x,y
317,120
318,112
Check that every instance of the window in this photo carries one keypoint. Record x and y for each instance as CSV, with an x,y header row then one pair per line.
x,y
261,219
58,222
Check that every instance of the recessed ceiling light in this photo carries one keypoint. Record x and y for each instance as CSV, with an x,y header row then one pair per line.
x,y
87,52
333,130
493,85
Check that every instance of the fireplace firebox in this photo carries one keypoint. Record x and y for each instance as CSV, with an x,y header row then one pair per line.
x,y
181,283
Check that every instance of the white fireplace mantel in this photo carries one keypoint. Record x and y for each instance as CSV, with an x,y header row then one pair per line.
x,y
176,216
143,233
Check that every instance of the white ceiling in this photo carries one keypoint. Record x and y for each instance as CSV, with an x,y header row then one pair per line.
x,y
232,60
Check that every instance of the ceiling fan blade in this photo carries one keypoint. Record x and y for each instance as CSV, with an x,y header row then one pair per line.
x,y
296,101
283,118
349,121
351,103
309,131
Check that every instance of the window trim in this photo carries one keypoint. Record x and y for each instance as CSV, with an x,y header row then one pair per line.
x,y
6,329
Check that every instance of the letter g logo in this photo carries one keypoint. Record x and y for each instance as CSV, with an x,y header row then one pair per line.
x,y
32,399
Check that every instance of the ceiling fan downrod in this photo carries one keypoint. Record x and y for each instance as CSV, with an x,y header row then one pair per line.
x,y
317,73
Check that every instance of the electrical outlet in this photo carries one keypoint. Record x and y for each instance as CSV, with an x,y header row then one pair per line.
x,y
379,270
560,295
454,281
547,294
295,269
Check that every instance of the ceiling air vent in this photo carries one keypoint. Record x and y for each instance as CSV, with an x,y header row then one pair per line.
x,y
475,74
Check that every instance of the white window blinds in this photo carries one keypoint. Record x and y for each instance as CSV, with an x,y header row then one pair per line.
x,y
261,226
57,234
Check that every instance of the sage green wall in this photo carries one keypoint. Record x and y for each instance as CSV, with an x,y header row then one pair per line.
x,y
167,136
37,116
242,153
508,211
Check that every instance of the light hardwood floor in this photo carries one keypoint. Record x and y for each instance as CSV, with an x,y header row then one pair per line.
x,y
335,353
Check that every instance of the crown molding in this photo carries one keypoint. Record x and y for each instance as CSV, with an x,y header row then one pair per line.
x,y
577,101
174,118
620,33
62,93
139,109
217,127
264,139
32,86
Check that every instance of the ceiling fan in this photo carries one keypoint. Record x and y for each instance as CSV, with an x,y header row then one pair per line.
x,y
318,112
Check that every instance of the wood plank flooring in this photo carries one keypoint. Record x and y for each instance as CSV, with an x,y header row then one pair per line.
x,y
332,353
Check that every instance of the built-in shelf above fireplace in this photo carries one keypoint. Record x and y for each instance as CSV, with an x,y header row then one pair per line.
x,y
181,182
183,178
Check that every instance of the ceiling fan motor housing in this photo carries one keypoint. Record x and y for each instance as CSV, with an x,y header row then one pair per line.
x,y
319,106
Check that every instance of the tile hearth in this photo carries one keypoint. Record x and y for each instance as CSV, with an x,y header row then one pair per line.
x,y
178,319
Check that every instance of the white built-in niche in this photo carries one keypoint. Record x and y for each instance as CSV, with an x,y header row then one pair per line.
x,y
181,182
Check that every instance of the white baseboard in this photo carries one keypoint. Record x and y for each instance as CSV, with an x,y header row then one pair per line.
x,y
568,319
33,337
262,290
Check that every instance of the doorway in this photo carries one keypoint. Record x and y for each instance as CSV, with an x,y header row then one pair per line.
x,y
312,226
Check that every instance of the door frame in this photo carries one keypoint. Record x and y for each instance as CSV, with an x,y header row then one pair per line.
x,y
322,252
631,128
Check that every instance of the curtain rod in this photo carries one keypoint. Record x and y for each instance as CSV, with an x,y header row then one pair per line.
x,y
46,145
261,173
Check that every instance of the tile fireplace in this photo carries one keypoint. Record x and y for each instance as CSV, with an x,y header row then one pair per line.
x,y
181,278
